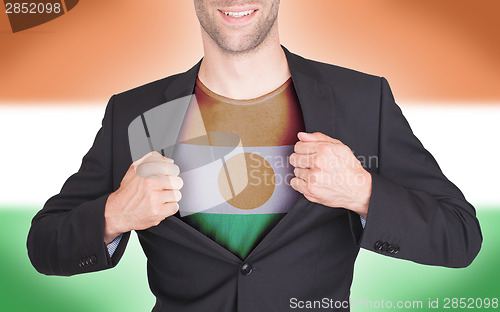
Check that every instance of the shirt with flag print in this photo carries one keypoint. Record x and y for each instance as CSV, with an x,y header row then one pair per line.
x,y
233,157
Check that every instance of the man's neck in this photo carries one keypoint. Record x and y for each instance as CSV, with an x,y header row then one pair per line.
x,y
244,76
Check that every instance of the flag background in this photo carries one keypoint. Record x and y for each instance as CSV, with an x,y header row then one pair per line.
x,y
440,57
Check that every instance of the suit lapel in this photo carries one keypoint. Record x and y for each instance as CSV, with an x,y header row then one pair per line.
x,y
183,84
318,109
317,105
316,99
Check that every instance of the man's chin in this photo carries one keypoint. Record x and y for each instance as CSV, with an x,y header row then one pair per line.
x,y
239,46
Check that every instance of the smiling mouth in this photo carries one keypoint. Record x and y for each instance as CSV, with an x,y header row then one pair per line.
x,y
239,14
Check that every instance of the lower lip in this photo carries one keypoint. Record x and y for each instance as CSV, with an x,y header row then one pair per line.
x,y
237,20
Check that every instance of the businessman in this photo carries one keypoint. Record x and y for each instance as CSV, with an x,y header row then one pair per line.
x,y
254,245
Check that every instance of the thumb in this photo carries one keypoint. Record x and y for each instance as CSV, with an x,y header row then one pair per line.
x,y
316,136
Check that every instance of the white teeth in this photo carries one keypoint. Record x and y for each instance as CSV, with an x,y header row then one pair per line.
x,y
239,14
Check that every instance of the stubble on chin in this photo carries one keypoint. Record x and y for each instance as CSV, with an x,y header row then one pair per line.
x,y
246,44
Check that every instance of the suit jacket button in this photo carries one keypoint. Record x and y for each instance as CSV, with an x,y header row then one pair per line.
x,y
93,260
378,245
246,269
384,246
396,249
390,249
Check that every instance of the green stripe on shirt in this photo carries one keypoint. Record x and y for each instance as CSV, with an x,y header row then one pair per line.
x,y
239,233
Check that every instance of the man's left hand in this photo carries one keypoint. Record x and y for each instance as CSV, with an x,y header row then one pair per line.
x,y
327,172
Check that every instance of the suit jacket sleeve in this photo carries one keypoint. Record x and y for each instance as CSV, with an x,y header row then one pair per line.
x,y
67,236
414,209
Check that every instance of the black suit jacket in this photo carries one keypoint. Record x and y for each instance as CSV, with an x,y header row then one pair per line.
x,y
415,212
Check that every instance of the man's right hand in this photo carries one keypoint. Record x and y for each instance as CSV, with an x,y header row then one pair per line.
x,y
148,193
